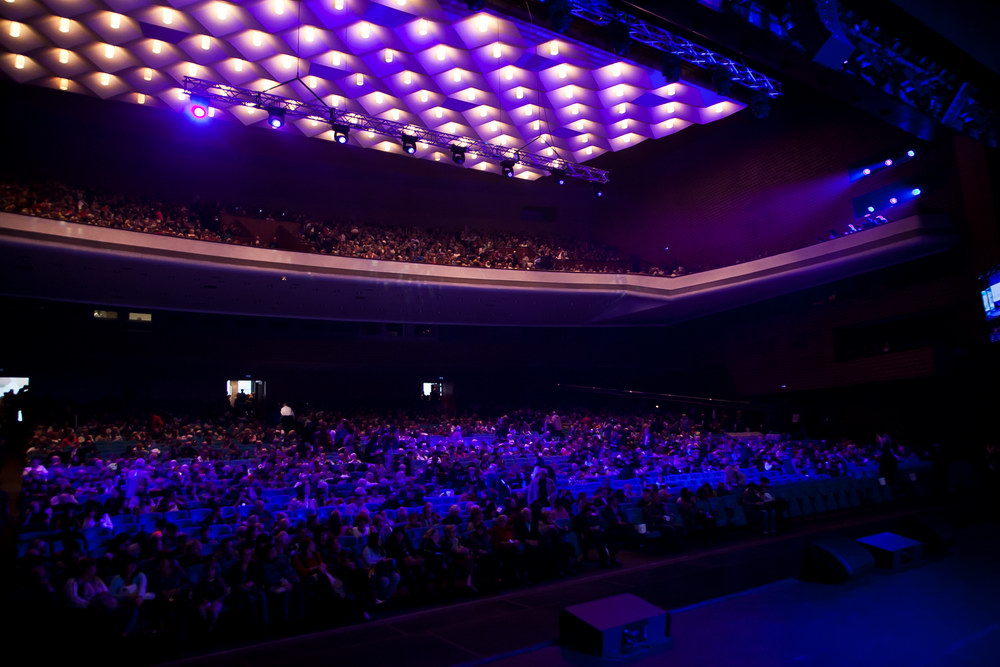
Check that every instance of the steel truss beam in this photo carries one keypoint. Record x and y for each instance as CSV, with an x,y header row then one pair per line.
x,y
224,94
599,12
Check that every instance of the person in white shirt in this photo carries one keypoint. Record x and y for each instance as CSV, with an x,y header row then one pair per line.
x,y
87,590
287,417
137,479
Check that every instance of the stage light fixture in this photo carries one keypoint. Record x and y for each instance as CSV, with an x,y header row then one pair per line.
x,y
559,175
560,14
911,153
199,106
275,117
916,192
871,209
760,105
888,163
893,201
341,133
670,67
275,112
722,80
866,171
621,37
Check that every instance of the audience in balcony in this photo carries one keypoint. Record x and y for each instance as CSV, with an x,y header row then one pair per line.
x,y
206,221
209,221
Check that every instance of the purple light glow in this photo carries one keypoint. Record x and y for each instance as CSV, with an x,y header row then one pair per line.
x,y
893,201
419,58
888,163
866,171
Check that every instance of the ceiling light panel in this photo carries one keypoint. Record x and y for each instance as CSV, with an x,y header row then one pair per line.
x,y
428,62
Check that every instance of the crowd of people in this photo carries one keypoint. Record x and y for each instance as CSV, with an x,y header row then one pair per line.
x,y
175,525
57,201
492,250
210,221
207,221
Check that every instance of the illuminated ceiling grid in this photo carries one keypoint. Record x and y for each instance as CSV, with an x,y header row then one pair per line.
x,y
431,63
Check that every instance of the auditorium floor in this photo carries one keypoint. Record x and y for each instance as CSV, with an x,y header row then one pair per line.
x,y
780,623
937,613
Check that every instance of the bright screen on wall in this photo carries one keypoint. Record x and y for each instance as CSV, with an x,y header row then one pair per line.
x,y
12,384
991,295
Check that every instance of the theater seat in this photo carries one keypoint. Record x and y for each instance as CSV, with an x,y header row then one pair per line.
x,y
176,516
219,531
195,572
805,503
200,515
96,536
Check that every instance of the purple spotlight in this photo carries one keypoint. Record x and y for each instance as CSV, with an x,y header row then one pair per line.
x,y
893,201
911,153
866,171
888,163
199,107
915,192
871,209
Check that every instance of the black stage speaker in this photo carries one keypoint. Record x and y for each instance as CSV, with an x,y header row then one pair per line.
x,y
936,534
834,560
614,627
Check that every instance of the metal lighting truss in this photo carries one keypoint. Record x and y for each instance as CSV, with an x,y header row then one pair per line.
x,y
599,12
225,94
916,81
830,14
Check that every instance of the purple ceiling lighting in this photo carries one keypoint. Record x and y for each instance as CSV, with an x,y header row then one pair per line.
x,y
429,64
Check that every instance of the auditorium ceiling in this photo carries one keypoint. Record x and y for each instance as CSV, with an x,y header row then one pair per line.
x,y
429,63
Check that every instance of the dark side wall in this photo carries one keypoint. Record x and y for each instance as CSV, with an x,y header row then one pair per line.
x,y
743,187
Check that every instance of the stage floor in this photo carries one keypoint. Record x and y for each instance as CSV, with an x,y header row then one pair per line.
x,y
935,613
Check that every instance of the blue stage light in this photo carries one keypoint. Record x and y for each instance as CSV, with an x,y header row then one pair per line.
x,y
888,163
866,171
341,133
871,209
276,117
916,192
911,153
893,201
